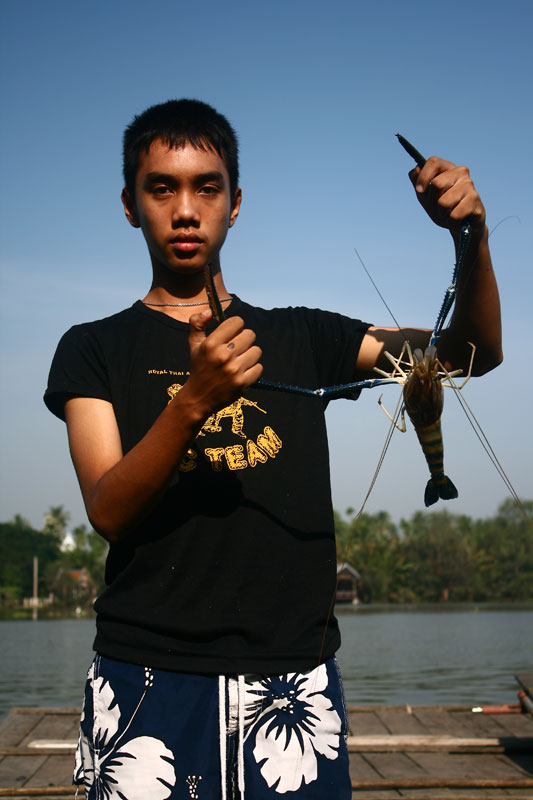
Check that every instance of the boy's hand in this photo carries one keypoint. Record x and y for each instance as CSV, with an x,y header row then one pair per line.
x,y
223,364
448,195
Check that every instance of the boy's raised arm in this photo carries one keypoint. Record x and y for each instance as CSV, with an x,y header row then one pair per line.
x,y
449,197
120,490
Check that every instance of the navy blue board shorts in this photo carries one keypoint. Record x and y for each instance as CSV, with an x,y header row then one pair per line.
x,y
151,734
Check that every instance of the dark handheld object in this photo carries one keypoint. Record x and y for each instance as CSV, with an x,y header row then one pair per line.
x,y
212,296
413,152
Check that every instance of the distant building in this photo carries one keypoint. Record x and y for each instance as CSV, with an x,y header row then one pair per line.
x,y
347,578
68,544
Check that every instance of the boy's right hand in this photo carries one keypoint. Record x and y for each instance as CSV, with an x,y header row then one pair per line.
x,y
223,364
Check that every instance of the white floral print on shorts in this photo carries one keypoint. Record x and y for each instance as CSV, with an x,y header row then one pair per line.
x,y
149,733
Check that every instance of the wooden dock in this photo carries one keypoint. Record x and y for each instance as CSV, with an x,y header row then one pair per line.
x,y
414,752
439,752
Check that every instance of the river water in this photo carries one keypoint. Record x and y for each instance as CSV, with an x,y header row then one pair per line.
x,y
390,655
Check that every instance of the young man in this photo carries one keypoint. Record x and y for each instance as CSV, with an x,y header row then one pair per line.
x,y
215,672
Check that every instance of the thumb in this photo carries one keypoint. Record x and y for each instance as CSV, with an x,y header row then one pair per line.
x,y
413,175
197,328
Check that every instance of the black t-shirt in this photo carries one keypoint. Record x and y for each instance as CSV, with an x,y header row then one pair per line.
x,y
235,569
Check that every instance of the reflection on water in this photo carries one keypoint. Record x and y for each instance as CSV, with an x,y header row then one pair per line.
x,y
390,655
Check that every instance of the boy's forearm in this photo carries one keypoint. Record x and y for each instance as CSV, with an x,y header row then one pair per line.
x,y
476,317
120,491
129,491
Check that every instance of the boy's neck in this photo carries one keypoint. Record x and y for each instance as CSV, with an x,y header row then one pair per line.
x,y
179,296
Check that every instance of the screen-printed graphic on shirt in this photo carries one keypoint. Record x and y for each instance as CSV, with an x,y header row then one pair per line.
x,y
231,419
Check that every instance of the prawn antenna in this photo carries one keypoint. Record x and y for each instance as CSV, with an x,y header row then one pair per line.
x,y
372,281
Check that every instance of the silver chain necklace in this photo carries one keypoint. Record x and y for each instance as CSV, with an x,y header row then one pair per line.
x,y
184,305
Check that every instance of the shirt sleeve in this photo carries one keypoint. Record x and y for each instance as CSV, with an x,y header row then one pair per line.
x,y
78,370
336,341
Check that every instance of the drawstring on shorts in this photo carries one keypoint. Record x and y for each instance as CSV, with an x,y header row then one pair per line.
x,y
240,756
231,691
222,732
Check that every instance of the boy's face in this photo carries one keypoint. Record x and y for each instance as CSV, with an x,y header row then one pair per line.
x,y
183,206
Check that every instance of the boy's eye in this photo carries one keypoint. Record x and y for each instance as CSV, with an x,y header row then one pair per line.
x,y
160,189
209,189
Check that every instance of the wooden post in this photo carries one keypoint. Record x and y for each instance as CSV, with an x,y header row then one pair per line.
x,y
35,587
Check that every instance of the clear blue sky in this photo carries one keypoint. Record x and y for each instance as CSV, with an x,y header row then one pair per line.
x,y
316,92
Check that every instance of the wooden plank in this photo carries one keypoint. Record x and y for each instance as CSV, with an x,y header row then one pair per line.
x,y
16,770
50,792
37,751
360,770
432,742
16,726
517,724
356,709
401,721
430,794
56,771
479,724
53,726
66,795
73,712
454,794
440,721
53,744
442,782
468,766
395,766
365,722
377,794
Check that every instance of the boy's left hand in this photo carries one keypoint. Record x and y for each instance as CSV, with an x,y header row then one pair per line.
x,y
448,195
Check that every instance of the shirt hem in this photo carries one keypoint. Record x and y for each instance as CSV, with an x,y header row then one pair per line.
x,y
216,665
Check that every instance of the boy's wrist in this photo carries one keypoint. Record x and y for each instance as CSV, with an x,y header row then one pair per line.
x,y
189,409
477,236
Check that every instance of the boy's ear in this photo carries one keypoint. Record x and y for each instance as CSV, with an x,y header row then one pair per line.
x,y
234,213
129,208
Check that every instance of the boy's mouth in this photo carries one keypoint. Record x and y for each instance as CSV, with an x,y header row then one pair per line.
x,y
186,244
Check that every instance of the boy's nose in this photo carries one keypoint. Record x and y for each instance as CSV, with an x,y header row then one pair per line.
x,y
185,208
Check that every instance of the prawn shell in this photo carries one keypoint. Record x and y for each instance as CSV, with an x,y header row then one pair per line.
x,y
422,394
439,485
424,400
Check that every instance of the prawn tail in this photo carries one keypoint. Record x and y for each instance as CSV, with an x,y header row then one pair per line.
x,y
439,485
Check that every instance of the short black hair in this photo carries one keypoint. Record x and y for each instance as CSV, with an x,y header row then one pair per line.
x,y
177,123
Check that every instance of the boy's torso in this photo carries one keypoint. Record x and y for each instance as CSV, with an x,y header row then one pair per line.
x,y
234,570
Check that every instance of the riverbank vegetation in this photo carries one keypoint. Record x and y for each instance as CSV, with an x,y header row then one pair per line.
x,y
440,556
432,557
70,565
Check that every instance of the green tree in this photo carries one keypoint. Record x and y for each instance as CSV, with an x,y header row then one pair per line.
x,y
440,556
504,545
374,548
19,543
439,547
